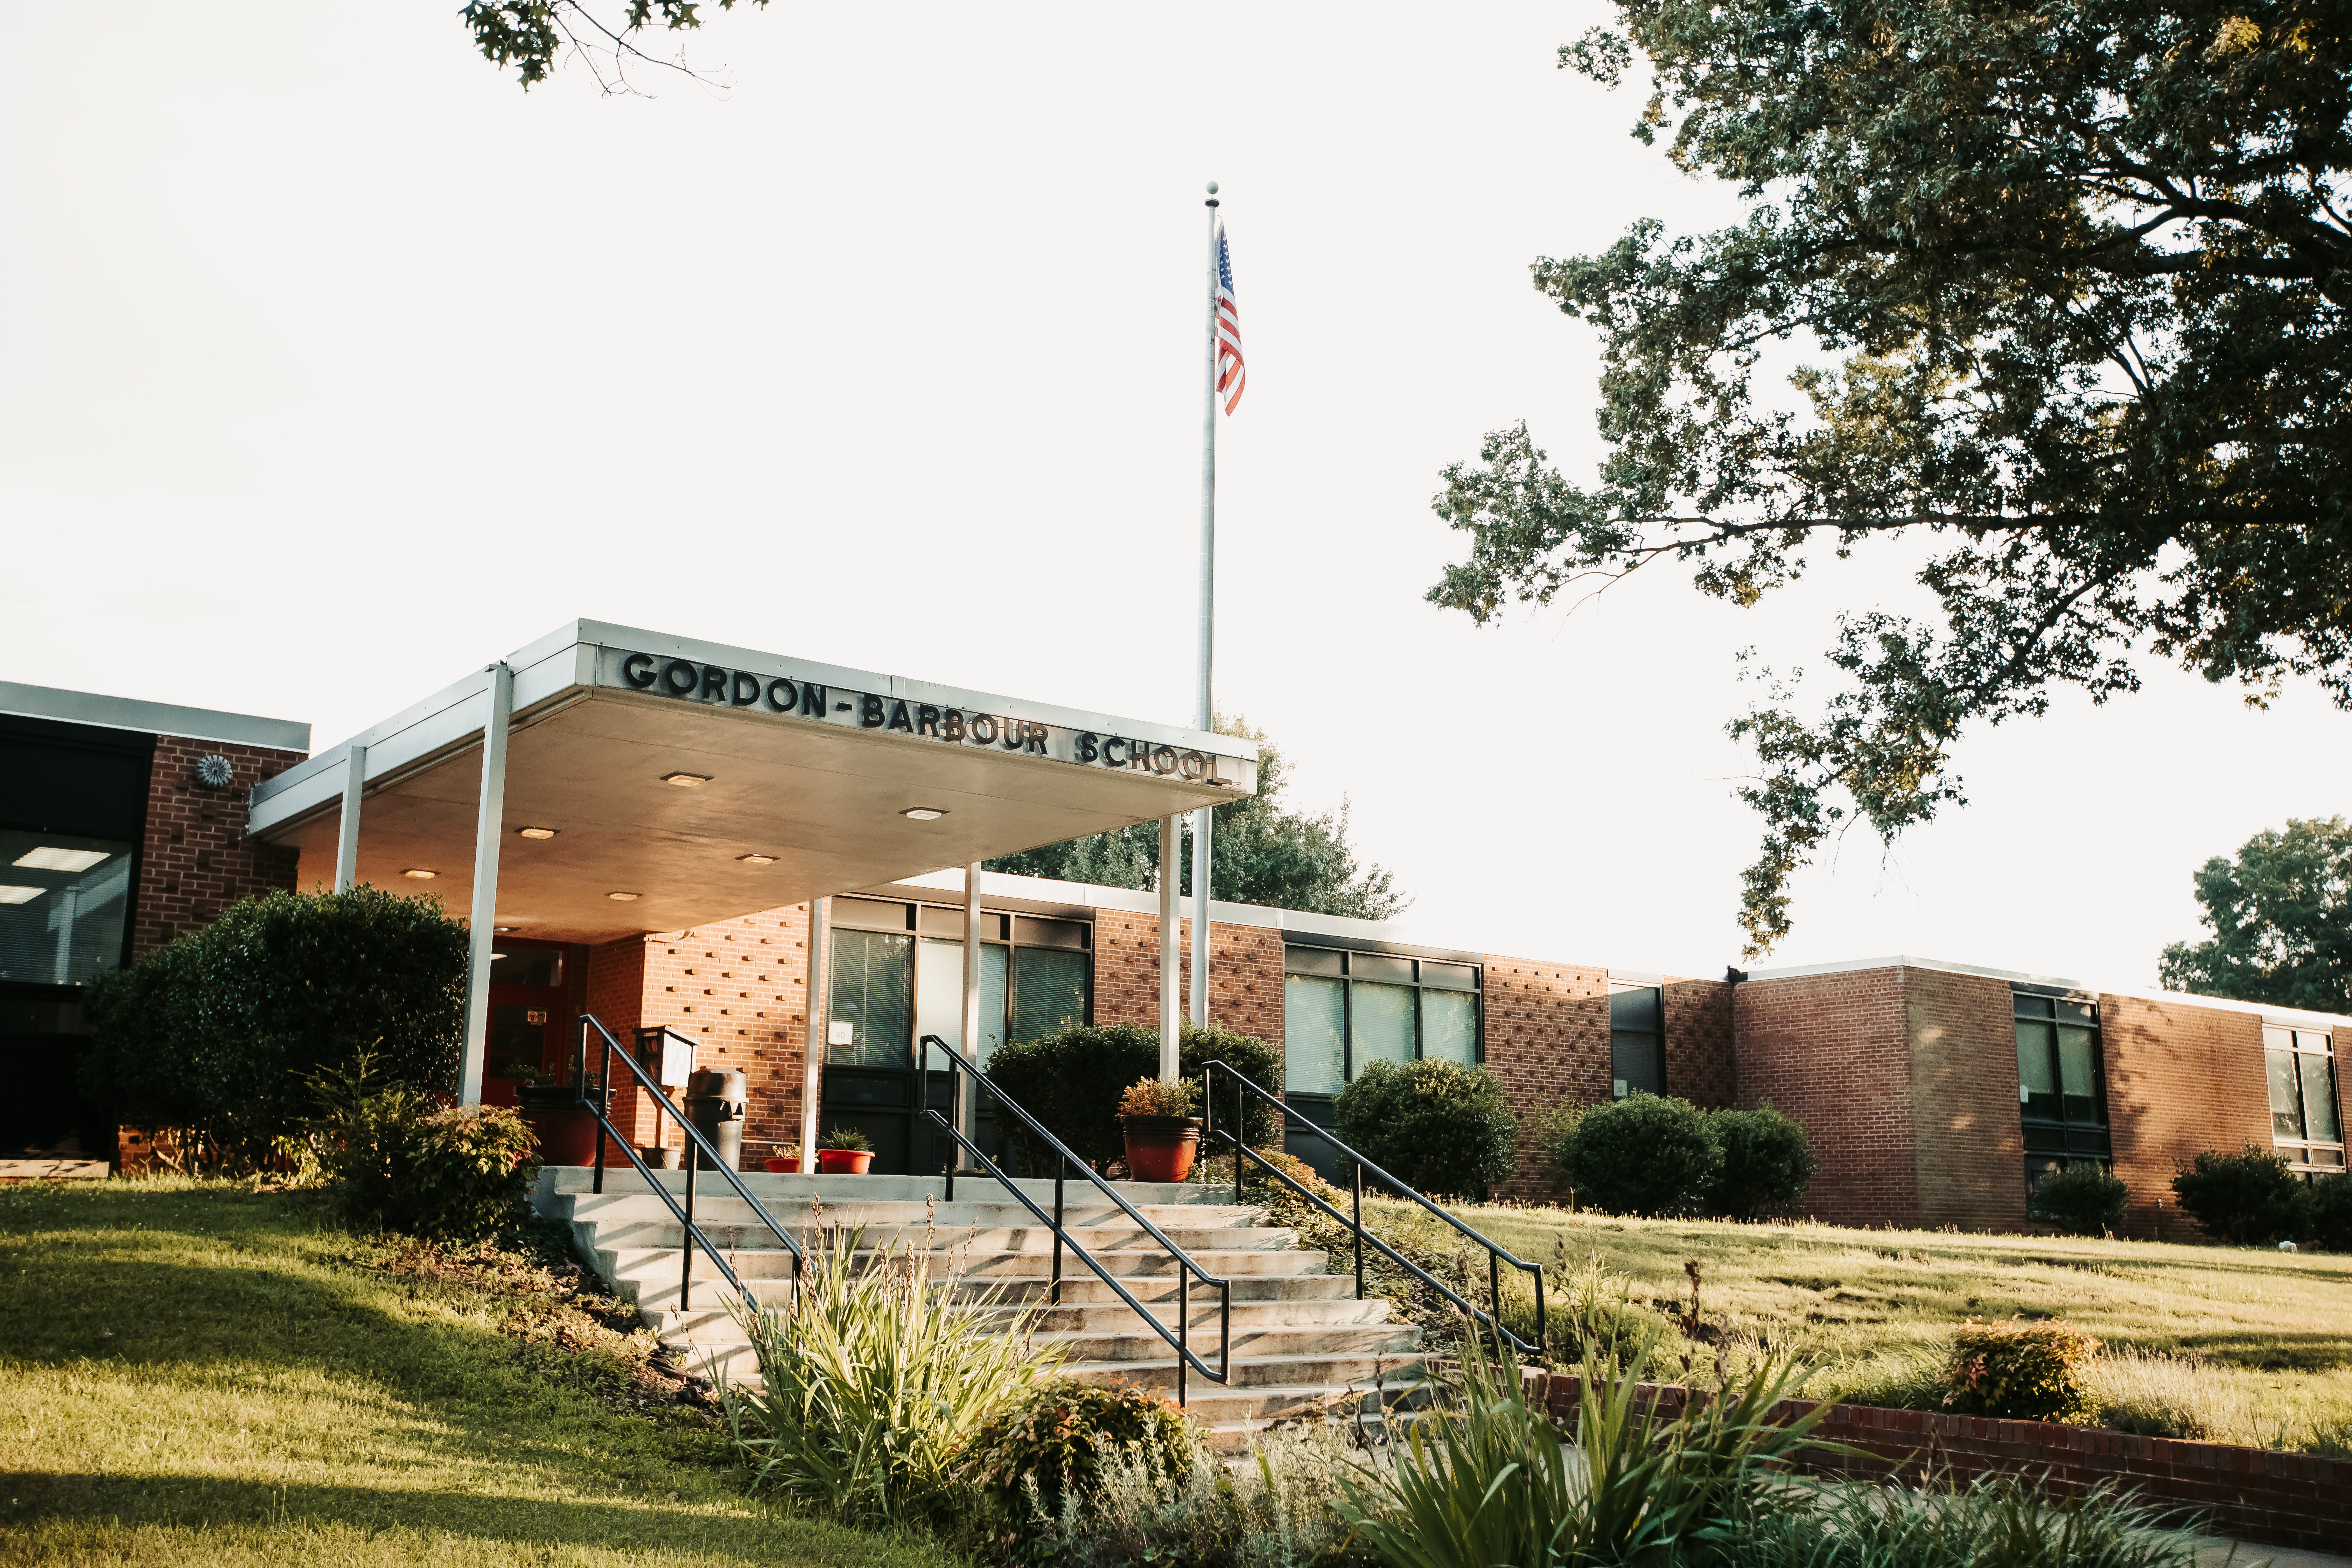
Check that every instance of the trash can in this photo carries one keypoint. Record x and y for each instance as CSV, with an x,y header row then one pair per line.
x,y
714,1103
565,1127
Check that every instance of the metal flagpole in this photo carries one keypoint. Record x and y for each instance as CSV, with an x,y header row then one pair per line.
x,y
1204,715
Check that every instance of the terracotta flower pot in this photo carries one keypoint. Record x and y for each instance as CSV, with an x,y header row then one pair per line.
x,y
784,1164
844,1162
1160,1148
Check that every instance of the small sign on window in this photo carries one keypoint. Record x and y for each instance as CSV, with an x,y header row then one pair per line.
x,y
841,1032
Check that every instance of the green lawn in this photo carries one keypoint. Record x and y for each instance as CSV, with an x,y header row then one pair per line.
x,y
2255,1345
194,1373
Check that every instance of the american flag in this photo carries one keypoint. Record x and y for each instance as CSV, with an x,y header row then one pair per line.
x,y
1229,327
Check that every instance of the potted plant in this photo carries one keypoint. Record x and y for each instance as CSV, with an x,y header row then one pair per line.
x,y
787,1159
1162,1133
846,1153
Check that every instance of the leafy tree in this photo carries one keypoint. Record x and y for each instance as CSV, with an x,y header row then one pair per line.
x,y
2074,281
529,35
2281,915
1263,853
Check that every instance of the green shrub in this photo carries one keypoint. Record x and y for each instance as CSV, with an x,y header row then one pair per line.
x,y
2247,1199
2081,1200
1768,1163
401,1160
2325,1217
2019,1371
1644,1154
1072,1080
1550,1136
1051,1448
216,1034
1435,1125
873,1376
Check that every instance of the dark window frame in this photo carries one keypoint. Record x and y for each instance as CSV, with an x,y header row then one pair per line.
x,y
999,928
1418,983
2309,1155
2054,1142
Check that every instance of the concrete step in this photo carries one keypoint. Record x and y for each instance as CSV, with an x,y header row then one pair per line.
x,y
717,1324
663,1231
624,1265
1306,1368
1322,1357
723,1205
781,1193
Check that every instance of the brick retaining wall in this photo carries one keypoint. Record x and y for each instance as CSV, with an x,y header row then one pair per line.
x,y
2251,1494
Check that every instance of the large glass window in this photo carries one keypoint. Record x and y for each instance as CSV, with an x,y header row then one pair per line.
x,y
63,903
890,987
1344,1010
1637,1040
2306,1120
870,1022
1051,987
2061,1085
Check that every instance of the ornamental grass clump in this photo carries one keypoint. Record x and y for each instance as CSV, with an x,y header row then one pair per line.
x,y
2022,1371
873,1376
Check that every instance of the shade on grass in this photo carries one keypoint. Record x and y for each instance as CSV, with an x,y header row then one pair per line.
x,y
190,1374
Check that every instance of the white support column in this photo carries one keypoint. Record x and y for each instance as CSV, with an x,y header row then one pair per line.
x,y
489,830
1171,921
812,1070
967,1108
347,832
1201,876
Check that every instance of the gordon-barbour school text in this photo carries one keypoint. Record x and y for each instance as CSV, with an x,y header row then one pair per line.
x,y
689,680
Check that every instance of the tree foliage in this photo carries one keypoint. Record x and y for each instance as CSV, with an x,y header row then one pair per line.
x,y
529,35
2280,914
2074,279
1645,1154
1263,853
1072,1081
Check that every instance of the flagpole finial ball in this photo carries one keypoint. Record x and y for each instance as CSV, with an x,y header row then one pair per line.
x,y
1212,187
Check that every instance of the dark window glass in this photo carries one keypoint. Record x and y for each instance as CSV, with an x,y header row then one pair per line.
x,y
1633,1061
1452,976
2319,1120
2034,1006
1031,932
1049,990
873,1000
2078,1073
1381,966
2037,1071
2286,1094
870,914
1636,1009
63,904
2075,1013
526,966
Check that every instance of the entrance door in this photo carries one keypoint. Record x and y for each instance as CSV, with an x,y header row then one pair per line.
x,y
890,989
529,1020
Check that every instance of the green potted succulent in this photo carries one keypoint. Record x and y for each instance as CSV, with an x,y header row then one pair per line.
x,y
1162,1134
847,1152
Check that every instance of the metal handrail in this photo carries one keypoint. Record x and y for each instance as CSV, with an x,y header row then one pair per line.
x,y
1180,1340
1495,1256
697,1146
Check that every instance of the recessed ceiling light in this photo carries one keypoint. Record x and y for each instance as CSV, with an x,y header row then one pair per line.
x,y
922,814
686,780
19,895
623,898
422,876
757,859
497,955
51,859
536,832
502,930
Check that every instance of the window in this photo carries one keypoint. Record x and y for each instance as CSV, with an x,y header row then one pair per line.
x,y
2305,1121
1637,1036
64,902
897,974
2061,1085
1343,1010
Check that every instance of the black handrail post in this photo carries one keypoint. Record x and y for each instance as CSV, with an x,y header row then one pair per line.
x,y
1184,1331
1358,1224
956,1090
1543,1339
686,1247
1495,1296
1241,1129
1054,1286
604,1081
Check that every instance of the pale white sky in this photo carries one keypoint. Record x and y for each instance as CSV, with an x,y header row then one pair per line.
x,y
333,367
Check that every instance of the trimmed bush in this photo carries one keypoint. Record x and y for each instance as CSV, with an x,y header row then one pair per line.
x,y
1435,1125
1059,1438
2081,1200
2022,1371
218,1033
2247,1199
1768,1163
2326,1216
1644,1154
1072,1081
401,1160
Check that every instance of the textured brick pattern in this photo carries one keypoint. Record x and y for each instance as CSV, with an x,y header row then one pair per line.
x,y
2252,1494
738,989
1833,1052
2181,1078
197,860
1971,1145
1244,973
1702,1061
1546,1028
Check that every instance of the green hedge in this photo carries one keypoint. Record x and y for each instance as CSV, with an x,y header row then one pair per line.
x,y
1071,1082
403,1161
1437,1126
218,1033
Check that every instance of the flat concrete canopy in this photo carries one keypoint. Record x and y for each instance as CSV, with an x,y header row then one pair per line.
x,y
809,764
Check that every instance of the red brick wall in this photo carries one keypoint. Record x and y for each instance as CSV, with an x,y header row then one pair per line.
x,y
1702,1059
1971,1146
738,989
1244,973
1547,1027
197,860
1833,1051
2181,1078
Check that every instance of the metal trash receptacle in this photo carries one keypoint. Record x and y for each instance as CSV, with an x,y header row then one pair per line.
x,y
714,1103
